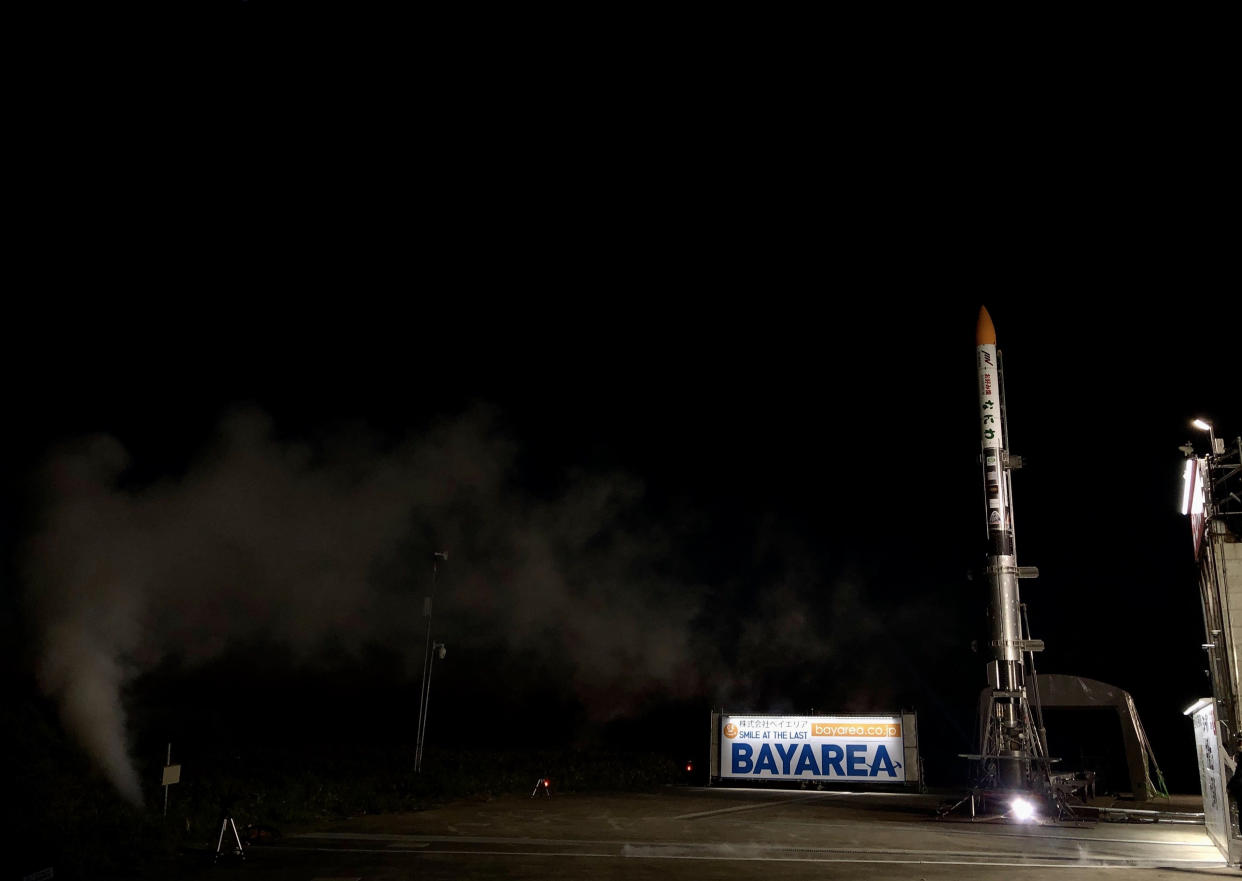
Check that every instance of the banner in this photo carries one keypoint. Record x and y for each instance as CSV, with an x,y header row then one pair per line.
x,y
1212,777
854,748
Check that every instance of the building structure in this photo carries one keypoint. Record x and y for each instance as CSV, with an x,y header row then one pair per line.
x,y
1212,499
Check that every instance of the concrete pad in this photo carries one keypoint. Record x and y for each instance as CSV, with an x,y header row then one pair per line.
x,y
735,834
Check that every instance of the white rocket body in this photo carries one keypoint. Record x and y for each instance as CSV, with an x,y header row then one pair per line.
x,y
1010,738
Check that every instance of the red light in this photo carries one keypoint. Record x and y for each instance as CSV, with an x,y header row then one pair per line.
x,y
689,767
547,784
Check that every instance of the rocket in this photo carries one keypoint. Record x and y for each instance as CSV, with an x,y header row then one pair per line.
x,y
1002,564
1009,739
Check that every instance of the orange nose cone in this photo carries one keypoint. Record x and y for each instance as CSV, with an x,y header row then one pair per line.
x,y
985,333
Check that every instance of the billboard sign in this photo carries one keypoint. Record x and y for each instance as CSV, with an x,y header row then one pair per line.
x,y
840,748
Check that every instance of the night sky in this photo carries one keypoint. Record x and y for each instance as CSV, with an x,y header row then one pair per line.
x,y
696,430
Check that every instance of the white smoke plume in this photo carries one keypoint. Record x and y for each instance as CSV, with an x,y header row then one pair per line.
x,y
302,542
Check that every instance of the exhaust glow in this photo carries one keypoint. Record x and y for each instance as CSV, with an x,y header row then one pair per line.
x,y
1022,809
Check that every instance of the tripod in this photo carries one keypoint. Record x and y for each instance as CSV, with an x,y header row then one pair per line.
x,y
227,825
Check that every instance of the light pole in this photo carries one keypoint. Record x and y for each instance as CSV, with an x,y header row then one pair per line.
x,y
425,689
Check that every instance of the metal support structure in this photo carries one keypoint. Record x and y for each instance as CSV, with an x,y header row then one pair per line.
x,y
1219,527
1213,501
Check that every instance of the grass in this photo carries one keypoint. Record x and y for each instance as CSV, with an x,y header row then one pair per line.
x,y
79,825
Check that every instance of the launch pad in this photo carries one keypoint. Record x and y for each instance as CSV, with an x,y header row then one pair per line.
x,y
693,833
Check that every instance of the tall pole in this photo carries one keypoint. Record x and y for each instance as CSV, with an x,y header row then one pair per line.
x,y
422,694
426,713
167,762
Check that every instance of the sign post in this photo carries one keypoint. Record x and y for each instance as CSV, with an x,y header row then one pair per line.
x,y
172,774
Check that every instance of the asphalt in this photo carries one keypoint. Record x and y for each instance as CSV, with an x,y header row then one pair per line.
x,y
702,833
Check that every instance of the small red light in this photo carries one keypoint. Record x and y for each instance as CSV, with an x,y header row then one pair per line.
x,y
689,767
547,783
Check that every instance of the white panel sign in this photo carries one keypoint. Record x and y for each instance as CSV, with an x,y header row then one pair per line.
x,y
855,748
1211,777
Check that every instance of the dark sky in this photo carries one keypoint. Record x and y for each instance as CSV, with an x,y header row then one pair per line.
x,y
745,361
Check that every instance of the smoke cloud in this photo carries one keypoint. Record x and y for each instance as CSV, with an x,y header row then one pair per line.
x,y
306,543
301,543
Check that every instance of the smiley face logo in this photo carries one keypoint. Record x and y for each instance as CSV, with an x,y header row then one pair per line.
x,y
730,730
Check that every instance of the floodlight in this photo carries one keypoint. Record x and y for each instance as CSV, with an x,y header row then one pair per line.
x,y
1188,482
1201,425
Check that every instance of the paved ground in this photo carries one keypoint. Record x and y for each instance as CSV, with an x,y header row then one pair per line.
x,y
727,834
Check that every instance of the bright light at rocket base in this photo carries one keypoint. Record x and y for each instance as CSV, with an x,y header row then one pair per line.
x,y
1022,809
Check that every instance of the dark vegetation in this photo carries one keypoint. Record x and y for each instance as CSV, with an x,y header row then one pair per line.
x,y
68,816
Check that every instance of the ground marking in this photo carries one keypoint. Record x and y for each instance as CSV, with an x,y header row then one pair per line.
x,y
653,853
734,810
